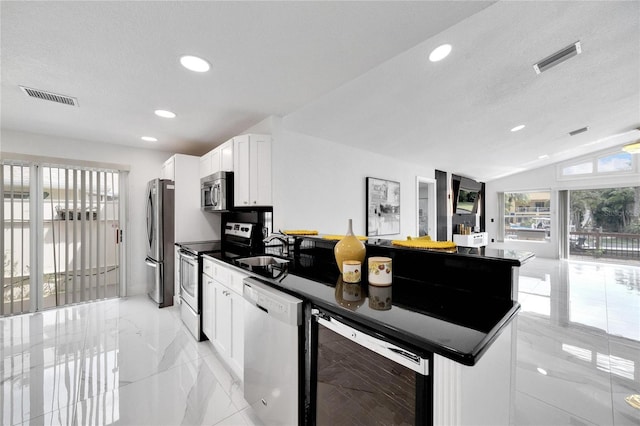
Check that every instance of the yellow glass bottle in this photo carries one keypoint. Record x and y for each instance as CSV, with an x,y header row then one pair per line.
x,y
349,248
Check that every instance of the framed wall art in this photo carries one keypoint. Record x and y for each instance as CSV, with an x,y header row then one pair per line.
x,y
383,207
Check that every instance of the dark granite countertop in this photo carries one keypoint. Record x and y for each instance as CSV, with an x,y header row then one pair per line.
x,y
447,320
514,257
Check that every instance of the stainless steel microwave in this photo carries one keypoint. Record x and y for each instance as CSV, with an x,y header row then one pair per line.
x,y
216,192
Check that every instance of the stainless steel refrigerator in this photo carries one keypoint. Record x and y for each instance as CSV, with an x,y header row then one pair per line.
x,y
160,241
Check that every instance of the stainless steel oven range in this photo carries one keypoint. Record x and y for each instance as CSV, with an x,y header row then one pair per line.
x,y
190,258
242,239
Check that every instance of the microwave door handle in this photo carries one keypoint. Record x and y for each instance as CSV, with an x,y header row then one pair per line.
x,y
215,195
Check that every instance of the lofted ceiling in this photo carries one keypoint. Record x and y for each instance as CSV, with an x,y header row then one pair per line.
x,y
354,73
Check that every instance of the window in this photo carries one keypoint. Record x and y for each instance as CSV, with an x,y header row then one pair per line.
x,y
610,163
527,216
578,169
615,163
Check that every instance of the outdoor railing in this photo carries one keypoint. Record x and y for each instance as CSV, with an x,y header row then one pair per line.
x,y
605,244
527,209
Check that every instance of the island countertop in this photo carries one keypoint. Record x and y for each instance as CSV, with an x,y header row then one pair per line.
x,y
450,320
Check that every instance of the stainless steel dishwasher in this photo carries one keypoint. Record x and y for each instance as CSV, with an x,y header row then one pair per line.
x,y
273,385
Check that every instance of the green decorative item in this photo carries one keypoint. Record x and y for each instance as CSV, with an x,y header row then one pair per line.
x,y
349,248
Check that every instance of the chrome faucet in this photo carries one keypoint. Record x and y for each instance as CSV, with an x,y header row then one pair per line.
x,y
283,239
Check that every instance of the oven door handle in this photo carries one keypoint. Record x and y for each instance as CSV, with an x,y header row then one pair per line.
x,y
385,349
186,254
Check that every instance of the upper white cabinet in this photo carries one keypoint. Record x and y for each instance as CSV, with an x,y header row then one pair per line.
x,y
168,169
190,224
218,159
252,170
205,165
226,156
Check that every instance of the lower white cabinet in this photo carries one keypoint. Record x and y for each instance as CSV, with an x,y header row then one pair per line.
x,y
208,303
176,276
223,313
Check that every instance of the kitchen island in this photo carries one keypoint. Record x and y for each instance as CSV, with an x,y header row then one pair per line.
x,y
455,309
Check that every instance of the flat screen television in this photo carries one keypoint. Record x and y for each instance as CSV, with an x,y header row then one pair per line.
x,y
467,194
466,202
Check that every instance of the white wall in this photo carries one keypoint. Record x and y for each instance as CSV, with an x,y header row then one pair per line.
x,y
144,165
319,184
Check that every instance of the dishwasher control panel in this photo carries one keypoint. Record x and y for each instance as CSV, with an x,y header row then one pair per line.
x,y
272,305
277,304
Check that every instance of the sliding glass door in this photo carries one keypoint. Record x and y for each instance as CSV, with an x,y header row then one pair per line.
x,y
61,234
80,235
16,224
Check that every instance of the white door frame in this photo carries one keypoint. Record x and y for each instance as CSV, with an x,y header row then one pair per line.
x,y
431,206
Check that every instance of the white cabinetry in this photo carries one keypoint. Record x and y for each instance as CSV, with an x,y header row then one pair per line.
x,y
226,156
223,311
218,159
168,169
222,315
176,276
477,239
252,170
191,223
206,164
208,303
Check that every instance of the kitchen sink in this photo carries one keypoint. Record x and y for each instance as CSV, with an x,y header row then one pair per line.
x,y
265,265
265,260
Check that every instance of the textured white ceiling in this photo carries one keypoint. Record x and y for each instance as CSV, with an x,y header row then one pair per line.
x,y
352,72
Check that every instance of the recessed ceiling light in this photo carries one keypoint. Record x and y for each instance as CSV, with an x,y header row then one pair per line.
x,y
149,139
542,371
194,63
440,52
517,128
164,113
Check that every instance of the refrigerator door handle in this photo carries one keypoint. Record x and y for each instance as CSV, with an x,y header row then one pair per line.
x,y
150,218
151,263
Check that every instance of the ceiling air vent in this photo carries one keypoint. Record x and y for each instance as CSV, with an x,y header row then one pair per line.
x,y
49,96
578,131
558,57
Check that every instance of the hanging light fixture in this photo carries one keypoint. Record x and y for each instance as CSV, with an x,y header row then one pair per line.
x,y
632,148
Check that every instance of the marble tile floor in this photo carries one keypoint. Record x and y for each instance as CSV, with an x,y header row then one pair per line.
x,y
119,361
578,344
124,361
